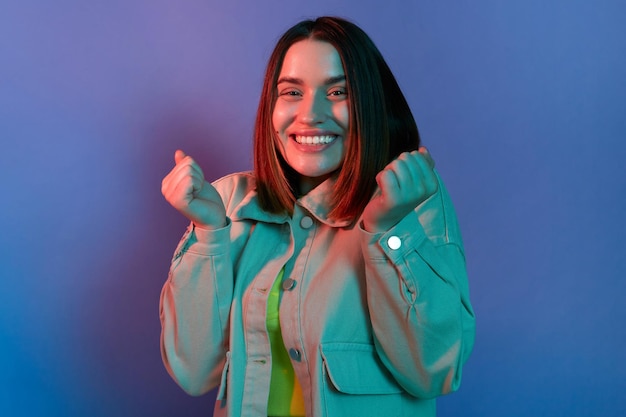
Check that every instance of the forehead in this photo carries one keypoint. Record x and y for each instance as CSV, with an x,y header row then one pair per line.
x,y
312,57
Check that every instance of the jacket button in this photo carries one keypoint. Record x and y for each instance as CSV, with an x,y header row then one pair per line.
x,y
295,354
394,242
306,222
289,284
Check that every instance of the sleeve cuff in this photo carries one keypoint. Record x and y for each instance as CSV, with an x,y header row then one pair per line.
x,y
393,244
208,241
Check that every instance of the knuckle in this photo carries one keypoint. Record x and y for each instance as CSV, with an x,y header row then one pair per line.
x,y
165,186
404,156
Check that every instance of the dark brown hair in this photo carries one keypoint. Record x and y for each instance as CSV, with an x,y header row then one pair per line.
x,y
381,123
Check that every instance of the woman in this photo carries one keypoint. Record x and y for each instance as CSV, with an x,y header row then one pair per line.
x,y
331,280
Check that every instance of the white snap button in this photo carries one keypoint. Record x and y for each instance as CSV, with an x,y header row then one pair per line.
x,y
306,222
394,242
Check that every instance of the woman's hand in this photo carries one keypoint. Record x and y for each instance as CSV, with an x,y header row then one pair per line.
x,y
187,191
404,184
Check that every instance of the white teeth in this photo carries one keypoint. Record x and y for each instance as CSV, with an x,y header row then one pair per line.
x,y
315,140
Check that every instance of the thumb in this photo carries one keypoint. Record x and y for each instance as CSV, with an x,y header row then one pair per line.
x,y
179,156
382,180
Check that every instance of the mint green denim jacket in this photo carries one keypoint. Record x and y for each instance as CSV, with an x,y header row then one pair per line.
x,y
375,324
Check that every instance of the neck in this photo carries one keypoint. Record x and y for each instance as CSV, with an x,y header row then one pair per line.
x,y
306,184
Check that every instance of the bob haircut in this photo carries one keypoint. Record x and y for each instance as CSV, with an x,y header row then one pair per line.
x,y
381,125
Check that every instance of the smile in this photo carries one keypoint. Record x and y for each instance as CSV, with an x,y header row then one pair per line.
x,y
315,140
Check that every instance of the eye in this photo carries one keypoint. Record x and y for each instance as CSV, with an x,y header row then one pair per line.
x,y
338,93
289,94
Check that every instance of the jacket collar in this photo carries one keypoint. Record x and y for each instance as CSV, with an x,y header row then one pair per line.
x,y
316,202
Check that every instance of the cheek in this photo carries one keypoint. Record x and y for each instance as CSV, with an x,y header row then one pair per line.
x,y
342,115
280,116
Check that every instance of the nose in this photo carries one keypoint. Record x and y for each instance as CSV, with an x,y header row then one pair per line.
x,y
313,109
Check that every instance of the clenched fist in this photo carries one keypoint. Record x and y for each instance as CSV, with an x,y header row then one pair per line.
x,y
187,191
403,184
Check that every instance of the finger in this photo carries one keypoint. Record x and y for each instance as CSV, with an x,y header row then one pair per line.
x,y
184,172
183,193
423,159
416,177
406,170
189,172
187,187
179,156
424,174
166,183
388,182
186,166
426,154
181,159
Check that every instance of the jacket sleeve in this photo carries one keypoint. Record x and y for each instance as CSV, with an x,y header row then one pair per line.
x,y
418,298
194,309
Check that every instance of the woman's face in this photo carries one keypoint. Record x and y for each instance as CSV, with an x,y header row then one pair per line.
x,y
311,115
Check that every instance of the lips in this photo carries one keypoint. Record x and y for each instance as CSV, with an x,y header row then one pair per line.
x,y
314,139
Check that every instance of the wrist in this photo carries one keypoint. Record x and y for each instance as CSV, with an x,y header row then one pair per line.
x,y
210,226
375,226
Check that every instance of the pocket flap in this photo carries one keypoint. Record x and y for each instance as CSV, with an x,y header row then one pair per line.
x,y
355,368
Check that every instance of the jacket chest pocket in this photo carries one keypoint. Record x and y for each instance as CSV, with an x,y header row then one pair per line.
x,y
356,383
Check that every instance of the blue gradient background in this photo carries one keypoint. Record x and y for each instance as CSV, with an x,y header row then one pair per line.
x,y
522,105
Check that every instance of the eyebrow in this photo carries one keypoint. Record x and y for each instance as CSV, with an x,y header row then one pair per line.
x,y
298,81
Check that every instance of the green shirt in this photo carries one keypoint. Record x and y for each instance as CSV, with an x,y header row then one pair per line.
x,y
285,398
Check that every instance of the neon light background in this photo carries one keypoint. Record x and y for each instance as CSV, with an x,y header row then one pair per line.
x,y
521,104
